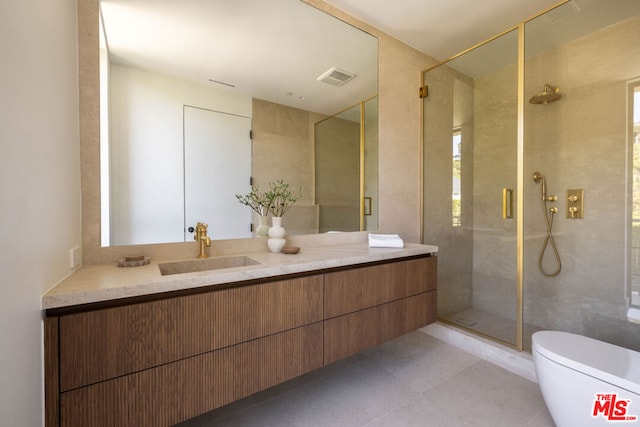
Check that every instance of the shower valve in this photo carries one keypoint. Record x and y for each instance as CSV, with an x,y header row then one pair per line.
x,y
575,204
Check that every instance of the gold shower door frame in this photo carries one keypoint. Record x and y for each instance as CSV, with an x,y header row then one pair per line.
x,y
519,167
365,203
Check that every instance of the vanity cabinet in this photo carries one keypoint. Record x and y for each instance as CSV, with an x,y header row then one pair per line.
x,y
108,343
366,306
170,358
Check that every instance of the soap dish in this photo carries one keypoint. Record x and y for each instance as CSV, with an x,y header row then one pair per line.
x,y
290,250
133,261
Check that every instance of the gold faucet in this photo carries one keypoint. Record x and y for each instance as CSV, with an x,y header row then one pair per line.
x,y
201,237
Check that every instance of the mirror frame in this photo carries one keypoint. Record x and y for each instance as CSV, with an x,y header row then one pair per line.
x,y
89,133
89,125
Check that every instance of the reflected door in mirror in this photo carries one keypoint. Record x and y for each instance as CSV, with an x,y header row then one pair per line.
x,y
217,149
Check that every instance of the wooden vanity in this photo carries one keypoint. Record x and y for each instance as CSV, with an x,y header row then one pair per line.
x,y
160,359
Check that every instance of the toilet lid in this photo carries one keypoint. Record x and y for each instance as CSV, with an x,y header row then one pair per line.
x,y
616,365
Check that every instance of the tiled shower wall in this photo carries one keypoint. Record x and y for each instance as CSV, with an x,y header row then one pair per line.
x,y
578,142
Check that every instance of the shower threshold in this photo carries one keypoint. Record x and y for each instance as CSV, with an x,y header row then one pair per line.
x,y
491,325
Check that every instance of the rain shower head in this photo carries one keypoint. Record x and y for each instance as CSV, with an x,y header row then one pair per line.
x,y
549,94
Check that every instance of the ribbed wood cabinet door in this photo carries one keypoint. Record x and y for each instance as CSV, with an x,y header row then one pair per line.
x,y
359,288
421,310
422,275
369,305
103,344
350,334
171,393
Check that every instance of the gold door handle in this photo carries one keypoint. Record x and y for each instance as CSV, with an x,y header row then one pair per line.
x,y
507,203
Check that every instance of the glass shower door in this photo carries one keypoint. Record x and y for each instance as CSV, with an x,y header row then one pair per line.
x,y
584,141
337,171
470,177
346,169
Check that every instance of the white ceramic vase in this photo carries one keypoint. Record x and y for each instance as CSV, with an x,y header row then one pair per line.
x,y
263,227
276,235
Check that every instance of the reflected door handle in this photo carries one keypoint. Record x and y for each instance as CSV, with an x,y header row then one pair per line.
x,y
507,203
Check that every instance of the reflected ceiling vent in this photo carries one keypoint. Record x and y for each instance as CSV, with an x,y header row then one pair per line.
x,y
336,77
561,11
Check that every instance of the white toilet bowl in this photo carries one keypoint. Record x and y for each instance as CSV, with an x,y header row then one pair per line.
x,y
586,382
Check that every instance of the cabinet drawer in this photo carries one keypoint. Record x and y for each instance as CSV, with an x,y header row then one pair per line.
x,y
175,392
421,310
350,334
422,275
352,290
103,344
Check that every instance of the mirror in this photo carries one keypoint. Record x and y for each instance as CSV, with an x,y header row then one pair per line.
x,y
346,169
259,63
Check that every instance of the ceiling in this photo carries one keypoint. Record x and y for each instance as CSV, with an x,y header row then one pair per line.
x,y
275,50
443,28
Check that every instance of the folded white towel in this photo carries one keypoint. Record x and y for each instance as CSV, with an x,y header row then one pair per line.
x,y
385,241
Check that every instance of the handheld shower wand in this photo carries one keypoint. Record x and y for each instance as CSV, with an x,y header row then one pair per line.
x,y
539,178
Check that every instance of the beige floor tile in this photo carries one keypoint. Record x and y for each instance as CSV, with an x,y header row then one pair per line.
x,y
484,395
481,395
415,380
421,361
321,403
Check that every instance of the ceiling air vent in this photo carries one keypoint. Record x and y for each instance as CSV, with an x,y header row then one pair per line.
x,y
336,77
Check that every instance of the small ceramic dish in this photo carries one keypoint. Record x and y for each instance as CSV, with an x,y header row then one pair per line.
x,y
290,250
133,261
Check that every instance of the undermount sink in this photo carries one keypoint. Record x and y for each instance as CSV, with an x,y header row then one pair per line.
x,y
191,266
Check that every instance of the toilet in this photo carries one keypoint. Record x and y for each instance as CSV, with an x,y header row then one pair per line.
x,y
586,382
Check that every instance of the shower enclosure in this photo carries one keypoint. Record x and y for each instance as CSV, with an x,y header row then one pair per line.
x,y
346,168
556,96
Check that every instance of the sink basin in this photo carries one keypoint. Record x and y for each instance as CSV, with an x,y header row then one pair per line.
x,y
206,264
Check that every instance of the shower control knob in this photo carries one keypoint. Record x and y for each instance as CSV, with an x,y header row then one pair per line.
x,y
575,204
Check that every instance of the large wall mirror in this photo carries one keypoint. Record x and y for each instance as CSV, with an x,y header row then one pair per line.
x,y
346,169
177,71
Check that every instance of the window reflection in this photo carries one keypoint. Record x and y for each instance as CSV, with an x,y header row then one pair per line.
x,y
456,196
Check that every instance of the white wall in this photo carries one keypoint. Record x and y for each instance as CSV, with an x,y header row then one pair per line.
x,y
146,119
39,187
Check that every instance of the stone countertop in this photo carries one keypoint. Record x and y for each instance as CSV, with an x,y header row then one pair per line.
x,y
105,282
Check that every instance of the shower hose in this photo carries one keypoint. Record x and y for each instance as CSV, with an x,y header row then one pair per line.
x,y
549,239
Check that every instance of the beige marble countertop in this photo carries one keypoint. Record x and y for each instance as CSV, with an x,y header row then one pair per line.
x,y
105,282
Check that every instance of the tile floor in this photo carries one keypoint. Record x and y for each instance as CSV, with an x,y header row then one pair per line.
x,y
414,380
